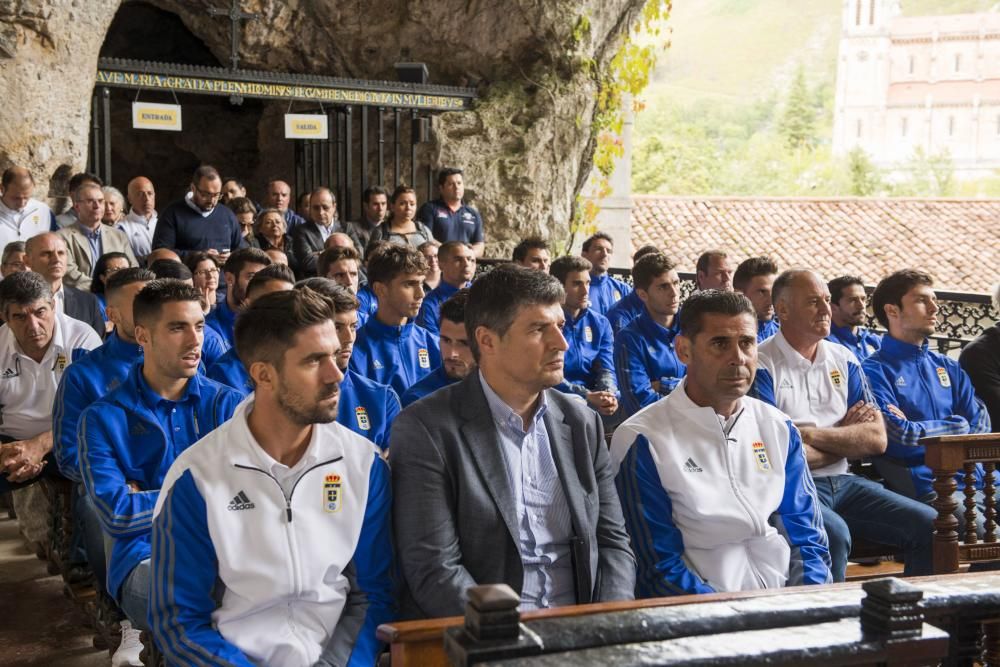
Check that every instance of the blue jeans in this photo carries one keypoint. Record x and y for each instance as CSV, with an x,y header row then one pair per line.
x,y
135,595
856,506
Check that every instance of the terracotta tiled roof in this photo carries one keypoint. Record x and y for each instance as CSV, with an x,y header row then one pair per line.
x,y
956,240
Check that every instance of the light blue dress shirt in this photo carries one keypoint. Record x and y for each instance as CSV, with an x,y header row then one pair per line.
x,y
96,246
543,514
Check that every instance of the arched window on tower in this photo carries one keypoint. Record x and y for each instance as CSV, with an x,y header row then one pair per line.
x,y
857,12
903,125
871,12
913,64
951,126
858,128
958,62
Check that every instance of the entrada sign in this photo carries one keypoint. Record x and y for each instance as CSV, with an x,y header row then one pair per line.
x,y
149,116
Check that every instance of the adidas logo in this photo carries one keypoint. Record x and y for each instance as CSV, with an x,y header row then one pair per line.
x,y
240,502
137,429
900,381
785,384
691,466
377,364
9,373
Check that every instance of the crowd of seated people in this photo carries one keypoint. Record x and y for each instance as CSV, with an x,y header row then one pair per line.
x,y
282,430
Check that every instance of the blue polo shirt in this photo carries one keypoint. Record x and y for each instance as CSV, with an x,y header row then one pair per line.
x,y
862,344
429,316
644,353
399,356
426,386
626,310
605,292
367,408
222,320
464,225
589,360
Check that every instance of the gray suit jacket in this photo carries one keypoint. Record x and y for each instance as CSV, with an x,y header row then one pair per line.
x,y
79,263
454,515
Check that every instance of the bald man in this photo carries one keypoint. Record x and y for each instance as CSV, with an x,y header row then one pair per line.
x,y
279,196
140,223
47,255
21,217
309,238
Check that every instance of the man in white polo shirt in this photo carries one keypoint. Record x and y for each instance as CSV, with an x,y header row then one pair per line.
x,y
21,217
820,385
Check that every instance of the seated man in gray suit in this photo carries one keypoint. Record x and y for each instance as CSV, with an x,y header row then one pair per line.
x,y
501,479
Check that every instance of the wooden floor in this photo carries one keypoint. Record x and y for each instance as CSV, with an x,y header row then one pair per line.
x,y
39,626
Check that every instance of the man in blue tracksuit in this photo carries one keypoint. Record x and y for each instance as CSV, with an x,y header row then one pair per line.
x,y
589,369
129,438
391,349
754,278
229,370
605,291
631,306
366,407
456,355
645,359
238,269
921,393
458,266
847,304
272,535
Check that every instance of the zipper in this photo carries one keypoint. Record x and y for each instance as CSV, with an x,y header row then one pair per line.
x,y
744,503
288,498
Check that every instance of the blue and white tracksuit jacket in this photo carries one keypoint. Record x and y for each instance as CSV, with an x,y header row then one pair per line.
x,y
222,320
710,509
367,407
367,304
84,382
429,316
589,363
245,573
229,370
863,343
426,386
937,398
626,310
134,435
766,329
644,353
398,356
606,291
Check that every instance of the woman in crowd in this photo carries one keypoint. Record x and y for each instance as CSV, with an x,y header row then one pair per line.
x,y
430,252
271,234
402,226
107,264
245,213
114,206
205,271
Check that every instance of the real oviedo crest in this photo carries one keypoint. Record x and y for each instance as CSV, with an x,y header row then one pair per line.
x,y
331,493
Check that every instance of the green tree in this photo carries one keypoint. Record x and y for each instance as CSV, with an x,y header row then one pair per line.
x,y
865,179
798,122
927,175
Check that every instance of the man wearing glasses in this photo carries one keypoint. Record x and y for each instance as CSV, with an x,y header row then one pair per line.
x,y
197,222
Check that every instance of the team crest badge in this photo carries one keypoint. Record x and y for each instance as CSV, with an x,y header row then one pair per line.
x,y
61,362
837,378
423,358
588,334
760,454
943,377
362,416
331,493
616,294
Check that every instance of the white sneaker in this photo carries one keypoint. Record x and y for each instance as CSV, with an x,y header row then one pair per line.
x,y
130,649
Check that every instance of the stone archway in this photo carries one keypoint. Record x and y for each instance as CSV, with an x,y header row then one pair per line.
x,y
526,148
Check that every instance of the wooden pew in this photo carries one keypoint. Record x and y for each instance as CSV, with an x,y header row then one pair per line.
x,y
955,603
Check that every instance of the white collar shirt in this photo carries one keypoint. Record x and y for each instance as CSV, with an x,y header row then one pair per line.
x,y
35,218
139,229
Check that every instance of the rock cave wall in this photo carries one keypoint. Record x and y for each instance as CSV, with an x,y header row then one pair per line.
x,y
525,148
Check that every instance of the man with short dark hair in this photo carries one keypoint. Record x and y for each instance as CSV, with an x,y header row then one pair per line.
x,y
921,393
754,278
366,407
88,238
630,306
499,479
197,222
239,269
847,305
391,348
46,255
981,360
715,487
21,216
309,238
374,205
279,196
645,358
714,270
232,188
458,266
532,253
456,354
76,180
605,291
130,437
226,587
451,219
342,266
13,259
140,223
821,386
589,367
